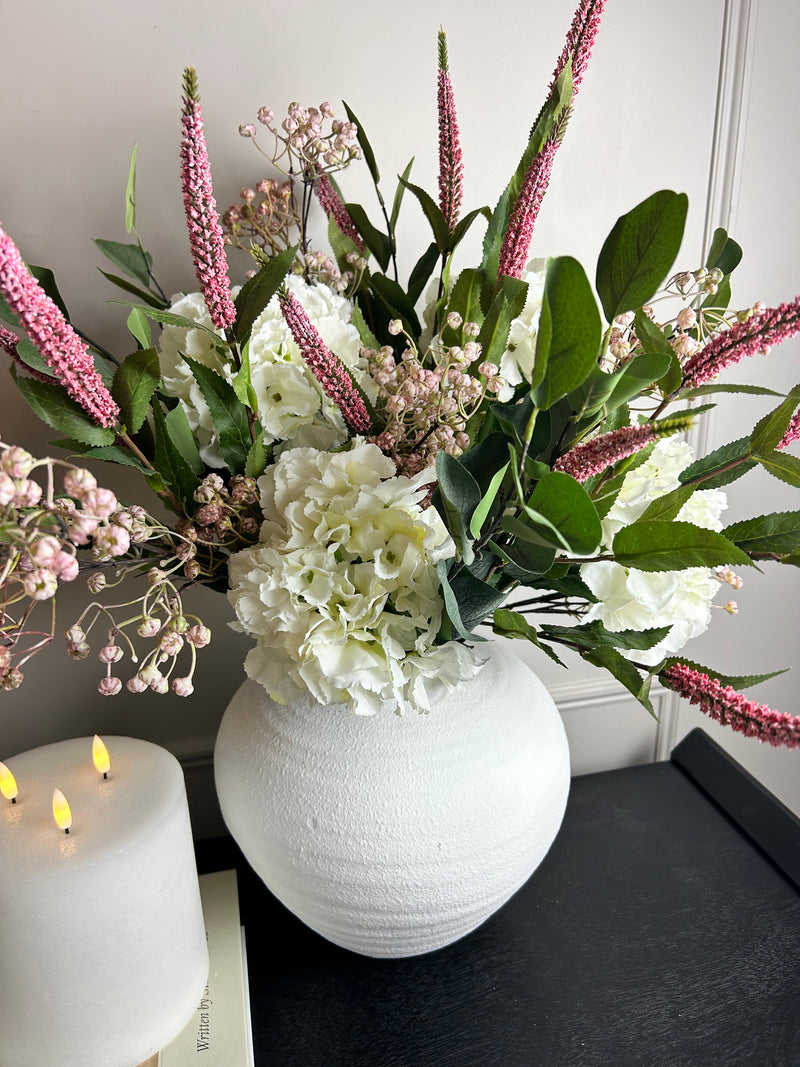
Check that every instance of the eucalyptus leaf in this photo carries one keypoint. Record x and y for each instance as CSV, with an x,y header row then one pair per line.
x,y
451,604
457,497
130,193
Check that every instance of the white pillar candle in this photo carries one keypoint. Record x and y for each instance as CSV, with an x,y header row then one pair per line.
x,y
103,952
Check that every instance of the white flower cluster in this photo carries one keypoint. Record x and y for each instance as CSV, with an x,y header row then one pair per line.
x,y
342,594
291,404
638,600
516,363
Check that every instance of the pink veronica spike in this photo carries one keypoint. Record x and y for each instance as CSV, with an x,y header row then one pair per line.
x,y
53,336
726,706
451,170
743,339
328,369
519,232
335,209
205,231
606,449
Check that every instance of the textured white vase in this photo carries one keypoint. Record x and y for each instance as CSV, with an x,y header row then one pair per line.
x,y
395,835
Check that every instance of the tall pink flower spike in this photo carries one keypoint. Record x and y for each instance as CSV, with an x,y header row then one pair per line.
x,y
451,169
335,209
755,334
53,336
723,704
205,231
328,369
519,232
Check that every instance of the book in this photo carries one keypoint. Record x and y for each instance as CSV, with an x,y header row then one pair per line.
x,y
219,1033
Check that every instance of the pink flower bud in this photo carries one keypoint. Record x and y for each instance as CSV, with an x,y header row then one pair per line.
x,y
182,687
111,541
81,528
731,607
149,627
100,503
191,570
137,684
109,687
265,116
12,679
155,576
96,583
687,317
247,130
40,584
27,493
395,327
198,635
16,462
110,654
171,644
79,481
79,650
7,489
44,550
65,566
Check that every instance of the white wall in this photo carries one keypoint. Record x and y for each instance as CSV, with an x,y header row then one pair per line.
x,y
82,81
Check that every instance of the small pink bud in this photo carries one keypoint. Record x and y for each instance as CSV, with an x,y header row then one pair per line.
x,y
454,320
27,493
100,503
65,566
79,481
96,583
16,462
44,550
110,654
149,627
198,635
731,607
111,541
687,318
265,116
40,584
109,687
247,130
395,327
7,489
182,687
137,684
155,576
171,644
12,679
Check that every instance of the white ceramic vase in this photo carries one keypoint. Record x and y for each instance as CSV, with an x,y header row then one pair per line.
x,y
395,835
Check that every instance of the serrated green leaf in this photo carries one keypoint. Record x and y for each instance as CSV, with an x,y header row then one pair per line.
x,y
364,145
433,213
398,194
376,241
52,405
368,338
667,507
769,430
624,671
778,532
465,300
566,356
130,194
421,272
638,253
229,415
135,381
131,259
656,545
181,435
47,280
720,467
107,453
258,456
783,466
32,357
172,468
257,292
167,318
593,634
463,226
735,681
511,624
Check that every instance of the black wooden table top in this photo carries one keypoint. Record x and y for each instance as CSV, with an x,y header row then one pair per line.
x,y
656,932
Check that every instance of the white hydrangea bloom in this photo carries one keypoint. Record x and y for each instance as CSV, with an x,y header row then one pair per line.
x,y
638,600
292,406
516,363
341,593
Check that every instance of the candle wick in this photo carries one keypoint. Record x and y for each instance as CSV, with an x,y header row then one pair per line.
x,y
66,829
13,800
105,775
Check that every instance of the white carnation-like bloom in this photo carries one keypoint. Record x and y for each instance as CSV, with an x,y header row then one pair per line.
x,y
639,600
341,593
516,363
292,406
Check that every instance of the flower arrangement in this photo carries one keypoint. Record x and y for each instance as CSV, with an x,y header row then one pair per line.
x,y
373,470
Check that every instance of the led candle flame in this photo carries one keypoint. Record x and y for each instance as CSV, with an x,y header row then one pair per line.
x,y
8,784
61,811
100,756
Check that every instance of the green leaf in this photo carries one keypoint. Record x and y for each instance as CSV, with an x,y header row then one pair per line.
x,y
769,430
167,318
639,251
514,418
135,381
396,301
368,338
567,353
433,213
650,335
182,437
724,253
567,505
52,405
258,456
511,624
524,561
139,327
778,532
32,357
720,467
398,194
107,453
656,545
451,603
460,494
506,306
172,468
421,272
783,466
624,671
465,299
484,506
376,241
256,293
130,194
364,145
463,226
667,507
229,415
7,315
128,287
736,681
47,280
721,387
131,259
593,634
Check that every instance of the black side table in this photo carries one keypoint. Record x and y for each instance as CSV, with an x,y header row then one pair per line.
x,y
662,929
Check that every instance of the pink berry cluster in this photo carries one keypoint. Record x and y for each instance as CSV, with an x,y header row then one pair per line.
x,y
228,517
265,216
426,401
303,139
